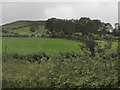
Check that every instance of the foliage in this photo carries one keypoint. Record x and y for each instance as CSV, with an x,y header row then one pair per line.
x,y
84,25
70,70
62,70
116,31
59,63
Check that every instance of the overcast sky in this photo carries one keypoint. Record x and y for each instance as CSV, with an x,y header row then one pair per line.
x,y
105,11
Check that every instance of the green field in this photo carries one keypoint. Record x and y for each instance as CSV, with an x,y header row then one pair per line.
x,y
48,45
36,45
26,30
22,27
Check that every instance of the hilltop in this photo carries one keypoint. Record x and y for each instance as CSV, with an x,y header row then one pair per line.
x,y
21,28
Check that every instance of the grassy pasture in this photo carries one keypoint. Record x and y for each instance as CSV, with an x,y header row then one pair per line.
x,y
24,30
47,45
21,23
35,45
22,27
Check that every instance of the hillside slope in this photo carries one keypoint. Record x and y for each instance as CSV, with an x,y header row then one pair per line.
x,y
21,28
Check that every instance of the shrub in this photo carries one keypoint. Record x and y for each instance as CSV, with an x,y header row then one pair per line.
x,y
69,70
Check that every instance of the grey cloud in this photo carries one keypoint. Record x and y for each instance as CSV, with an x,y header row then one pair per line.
x,y
18,11
107,11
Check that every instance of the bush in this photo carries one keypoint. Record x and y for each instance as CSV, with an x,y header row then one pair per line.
x,y
30,58
69,70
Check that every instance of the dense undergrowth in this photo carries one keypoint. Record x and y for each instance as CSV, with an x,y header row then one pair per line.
x,y
70,70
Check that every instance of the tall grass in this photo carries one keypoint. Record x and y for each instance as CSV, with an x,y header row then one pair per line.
x,y
62,71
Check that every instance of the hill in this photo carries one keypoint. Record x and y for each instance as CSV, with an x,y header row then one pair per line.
x,y
22,27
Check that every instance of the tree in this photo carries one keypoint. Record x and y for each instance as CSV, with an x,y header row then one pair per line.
x,y
84,25
60,26
90,44
87,26
116,30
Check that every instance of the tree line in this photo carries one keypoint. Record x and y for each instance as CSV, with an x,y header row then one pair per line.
x,y
84,25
